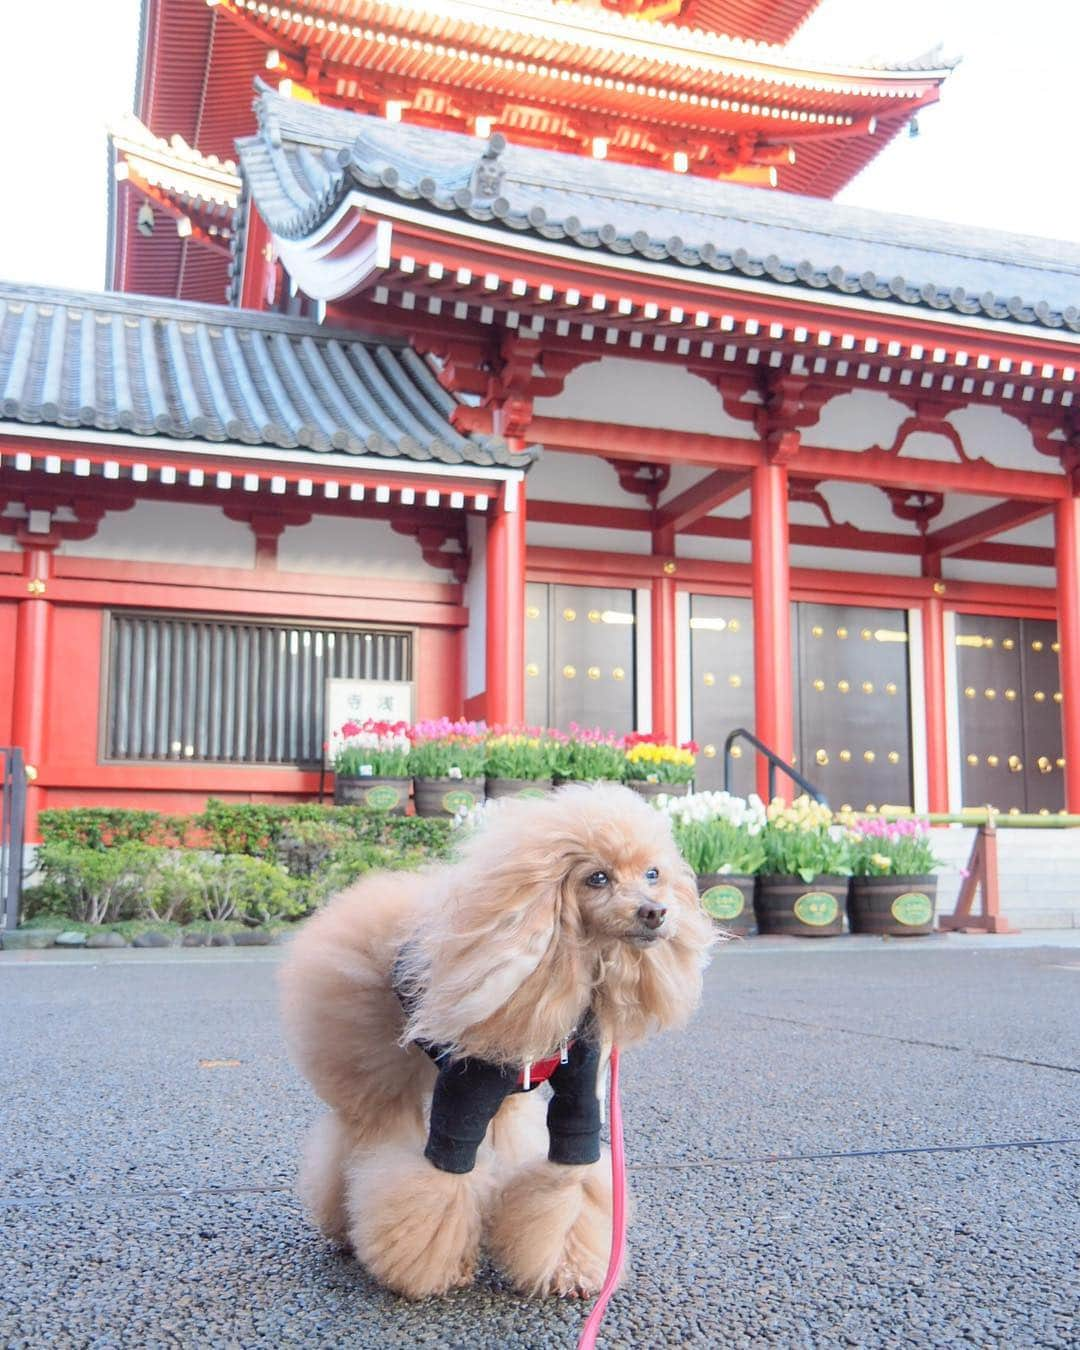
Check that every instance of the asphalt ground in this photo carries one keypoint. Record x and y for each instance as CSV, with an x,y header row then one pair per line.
x,y
858,1143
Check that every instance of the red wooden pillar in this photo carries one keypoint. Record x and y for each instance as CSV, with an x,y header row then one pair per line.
x,y
255,280
937,722
771,575
1067,551
30,693
505,651
664,715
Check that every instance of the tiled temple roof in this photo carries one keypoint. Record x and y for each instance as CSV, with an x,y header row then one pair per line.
x,y
203,372
306,158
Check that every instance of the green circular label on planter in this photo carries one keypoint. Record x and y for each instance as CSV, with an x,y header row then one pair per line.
x,y
816,908
723,902
531,792
382,797
913,908
458,799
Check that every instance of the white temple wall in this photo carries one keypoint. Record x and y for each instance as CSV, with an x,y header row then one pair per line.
x,y
870,417
737,508
540,535
1001,574
855,421
7,544
1039,532
644,394
712,550
169,532
858,504
857,564
1002,440
556,477
354,547
682,477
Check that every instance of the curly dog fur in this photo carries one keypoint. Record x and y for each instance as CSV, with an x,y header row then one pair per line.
x,y
503,951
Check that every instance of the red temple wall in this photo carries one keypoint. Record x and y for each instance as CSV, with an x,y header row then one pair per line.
x,y
82,592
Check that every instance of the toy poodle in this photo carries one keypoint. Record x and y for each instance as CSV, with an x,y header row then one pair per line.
x,y
426,1007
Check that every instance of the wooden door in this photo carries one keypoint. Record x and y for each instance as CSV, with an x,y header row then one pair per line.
x,y
1009,712
722,686
853,701
579,657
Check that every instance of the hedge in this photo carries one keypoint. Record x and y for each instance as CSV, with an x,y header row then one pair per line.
x,y
256,864
251,828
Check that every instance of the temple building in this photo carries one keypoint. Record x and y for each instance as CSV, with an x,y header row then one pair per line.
x,y
519,351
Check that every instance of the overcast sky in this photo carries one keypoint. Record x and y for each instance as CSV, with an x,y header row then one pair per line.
x,y
994,152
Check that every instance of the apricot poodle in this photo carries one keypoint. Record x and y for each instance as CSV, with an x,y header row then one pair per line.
x,y
426,1007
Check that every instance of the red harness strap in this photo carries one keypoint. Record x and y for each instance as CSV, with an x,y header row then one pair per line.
x,y
540,1070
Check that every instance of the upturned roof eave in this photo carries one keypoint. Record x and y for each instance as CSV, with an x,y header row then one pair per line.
x,y
844,238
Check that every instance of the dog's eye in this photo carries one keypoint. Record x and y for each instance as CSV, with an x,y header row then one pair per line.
x,y
598,879
653,874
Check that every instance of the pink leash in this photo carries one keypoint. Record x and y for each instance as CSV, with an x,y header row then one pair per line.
x,y
618,1213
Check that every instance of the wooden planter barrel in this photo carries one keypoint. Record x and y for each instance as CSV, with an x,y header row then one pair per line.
x,y
896,906
729,899
518,787
791,907
652,790
446,796
375,794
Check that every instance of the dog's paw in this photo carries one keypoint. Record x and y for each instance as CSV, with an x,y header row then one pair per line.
x,y
415,1228
549,1230
322,1177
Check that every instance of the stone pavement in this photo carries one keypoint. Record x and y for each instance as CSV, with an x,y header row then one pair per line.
x,y
858,1143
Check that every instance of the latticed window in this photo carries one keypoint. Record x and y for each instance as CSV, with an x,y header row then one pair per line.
x,y
180,687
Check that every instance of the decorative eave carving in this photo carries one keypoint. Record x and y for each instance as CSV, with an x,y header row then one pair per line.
x,y
80,519
928,415
642,480
267,527
436,541
507,375
808,491
1059,438
918,507
778,406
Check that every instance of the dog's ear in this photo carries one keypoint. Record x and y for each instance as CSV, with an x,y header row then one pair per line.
x,y
490,942
509,918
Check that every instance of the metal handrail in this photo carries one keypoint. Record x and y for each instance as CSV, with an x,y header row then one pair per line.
x,y
775,762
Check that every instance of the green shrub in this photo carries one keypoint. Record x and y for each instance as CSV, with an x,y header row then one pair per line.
x,y
238,887
100,827
251,863
258,830
305,847
172,893
97,885
261,831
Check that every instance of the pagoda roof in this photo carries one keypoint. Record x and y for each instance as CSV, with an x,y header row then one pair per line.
x,y
563,75
153,367
772,21
760,20
182,249
175,167
306,159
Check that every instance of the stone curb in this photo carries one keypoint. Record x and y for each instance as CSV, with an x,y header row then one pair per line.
x,y
37,939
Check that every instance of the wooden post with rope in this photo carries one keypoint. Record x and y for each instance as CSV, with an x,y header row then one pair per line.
x,y
982,875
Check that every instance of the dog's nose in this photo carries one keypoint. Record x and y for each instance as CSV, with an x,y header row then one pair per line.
x,y
651,914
